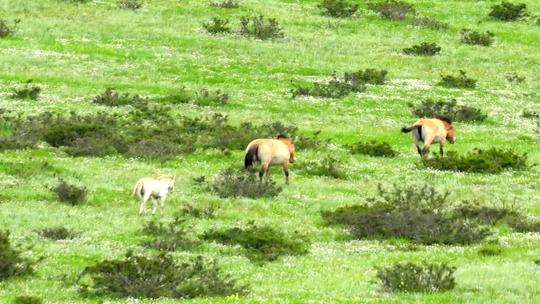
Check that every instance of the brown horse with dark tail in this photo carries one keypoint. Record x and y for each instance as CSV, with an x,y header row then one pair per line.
x,y
435,130
269,152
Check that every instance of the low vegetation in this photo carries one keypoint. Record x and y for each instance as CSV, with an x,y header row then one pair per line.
x,y
58,233
423,49
411,277
26,91
226,4
161,276
27,300
338,8
217,26
450,109
392,9
491,160
458,81
477,38
260,243
327,166
490,250
169,237
373,148
12,262
239,183
507,11
70,193
260,28
201,97
428,23
112,98
514,77
129,4
6,29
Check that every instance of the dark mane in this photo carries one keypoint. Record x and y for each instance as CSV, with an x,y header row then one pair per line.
x,y
281,136
444,118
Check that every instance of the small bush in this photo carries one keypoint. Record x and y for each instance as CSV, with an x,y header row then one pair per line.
x,y
198,211
171,237
490,250
259,28
140,276
412,277
507,11
514,78
112,98
6,29
27,300
205,97
423,49
530,114
392,9
129,4
373,148
327,166
487,215
338,8
459,81
233,183
58,233
476,38
26,91
226,4
521,223
12,263
342,86
71,194
492,161
217,26
261,243
428,22
450,109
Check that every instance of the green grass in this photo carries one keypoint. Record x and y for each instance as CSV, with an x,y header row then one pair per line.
x,y
75,52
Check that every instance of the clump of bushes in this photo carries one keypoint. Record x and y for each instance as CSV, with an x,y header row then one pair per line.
x,y
234,183
26,91
129,4
261,243
450,109
493,160
202,97
419,213
6,29
342,86
259,28
27,300
411,277
392,9
217,26
58,233
459,81
338,8
198,211
112,98
141,276
423,49
226,4
174,236
373,148
12,263
428,22
507,11
70,193
514,77
327,166
477,38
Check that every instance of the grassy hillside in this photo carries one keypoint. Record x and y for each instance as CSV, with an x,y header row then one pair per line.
x,y
75,51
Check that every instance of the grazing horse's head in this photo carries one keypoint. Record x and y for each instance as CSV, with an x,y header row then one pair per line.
x,y
450,131
169,179
284,139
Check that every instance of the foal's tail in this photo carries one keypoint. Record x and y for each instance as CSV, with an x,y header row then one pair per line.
x,y
251,156
137,190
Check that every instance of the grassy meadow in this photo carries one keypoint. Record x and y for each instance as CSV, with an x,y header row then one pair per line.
x,y
75,51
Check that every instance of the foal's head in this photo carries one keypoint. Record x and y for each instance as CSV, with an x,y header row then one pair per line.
x,y
284,139
450,131
169,180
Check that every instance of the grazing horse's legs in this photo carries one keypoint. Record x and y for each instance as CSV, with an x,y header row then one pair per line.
x,y
441,150
286,172
264,170
418,147
427,143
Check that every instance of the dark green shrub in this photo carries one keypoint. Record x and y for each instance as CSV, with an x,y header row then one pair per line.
x,y
490,250
507,11
217,26
261,243
373,148
423,49
6,29
69,193
537,262
129,4
521,223
27,91
477,38
206,212
327,166
205,97
450,109
487,215
27,300
342,86
140,276
171,237
428,22
514,77
417,213
226,4
392,9
112,98
459,81
12,263
410,277
233,183
58,233
259,28
338,8
531,114
493,161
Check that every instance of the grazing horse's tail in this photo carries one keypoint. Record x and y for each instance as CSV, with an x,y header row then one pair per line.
x,y
409,129
251,155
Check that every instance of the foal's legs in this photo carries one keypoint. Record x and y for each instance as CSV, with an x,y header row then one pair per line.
x,y
162,205
154,205
142,206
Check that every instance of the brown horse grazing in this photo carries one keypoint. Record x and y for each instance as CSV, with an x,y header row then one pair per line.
x,y
435,130
269,152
